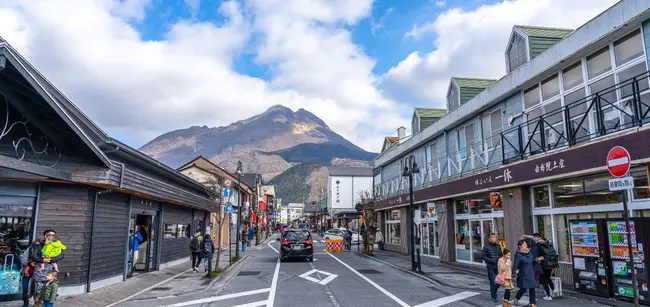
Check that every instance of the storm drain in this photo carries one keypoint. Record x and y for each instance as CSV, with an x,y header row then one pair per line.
x,y
161,289
249,273
368,271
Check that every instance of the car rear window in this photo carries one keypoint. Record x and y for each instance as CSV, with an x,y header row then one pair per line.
x,y
297,235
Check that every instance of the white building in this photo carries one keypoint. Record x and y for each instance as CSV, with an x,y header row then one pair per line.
x,y
295,211
344,188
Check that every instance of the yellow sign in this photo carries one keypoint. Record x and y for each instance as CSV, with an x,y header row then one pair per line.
x,y
502,243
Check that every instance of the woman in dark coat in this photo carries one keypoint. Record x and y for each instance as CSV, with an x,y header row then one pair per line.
x,y
525,263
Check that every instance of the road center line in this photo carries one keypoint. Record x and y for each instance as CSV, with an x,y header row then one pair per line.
x,y
448,299
378,287
220,298
274,285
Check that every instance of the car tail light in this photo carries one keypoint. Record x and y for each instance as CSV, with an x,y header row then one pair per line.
x,y
309,241
284,241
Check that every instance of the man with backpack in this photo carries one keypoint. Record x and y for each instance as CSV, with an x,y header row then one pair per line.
x,y
550,262
196,246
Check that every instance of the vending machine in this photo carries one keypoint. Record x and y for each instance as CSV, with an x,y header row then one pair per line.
x,y
590,265
619,257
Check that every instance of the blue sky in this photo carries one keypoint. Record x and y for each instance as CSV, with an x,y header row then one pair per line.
x,y
361,65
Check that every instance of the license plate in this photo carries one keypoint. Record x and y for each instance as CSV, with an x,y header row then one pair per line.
x,y
296,247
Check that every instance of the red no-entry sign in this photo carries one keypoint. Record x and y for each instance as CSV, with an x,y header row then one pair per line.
x,y
618,161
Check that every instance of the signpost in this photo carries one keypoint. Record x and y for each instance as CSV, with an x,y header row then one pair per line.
x,y
618,164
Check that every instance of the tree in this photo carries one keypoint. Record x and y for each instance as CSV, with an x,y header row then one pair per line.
x,y
367,200
213,184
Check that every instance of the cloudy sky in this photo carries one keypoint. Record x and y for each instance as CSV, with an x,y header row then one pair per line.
x,y
140,68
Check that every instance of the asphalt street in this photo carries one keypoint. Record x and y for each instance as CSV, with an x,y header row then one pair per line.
x,y
333,279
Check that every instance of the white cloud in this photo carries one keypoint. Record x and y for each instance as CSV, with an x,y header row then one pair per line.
x,y
140,89
194,6
471,43
440,3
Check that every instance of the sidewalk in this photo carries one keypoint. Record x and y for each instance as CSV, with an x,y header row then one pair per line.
x,y
467,277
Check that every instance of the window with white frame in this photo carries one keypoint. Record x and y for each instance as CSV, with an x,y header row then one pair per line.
x,y
492,126
517,52
597,73
453,99
465,140
393,231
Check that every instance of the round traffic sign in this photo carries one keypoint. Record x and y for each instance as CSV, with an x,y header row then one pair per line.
x,y
227,183
618,161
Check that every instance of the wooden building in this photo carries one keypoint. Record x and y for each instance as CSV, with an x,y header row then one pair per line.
x,y
58,170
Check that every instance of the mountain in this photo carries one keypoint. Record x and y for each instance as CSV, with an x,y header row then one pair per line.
x,y
276,141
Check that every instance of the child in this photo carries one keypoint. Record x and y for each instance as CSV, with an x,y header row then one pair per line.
x,y
51,249
50,291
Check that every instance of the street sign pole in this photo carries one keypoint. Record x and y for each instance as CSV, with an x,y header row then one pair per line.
x,y
618,164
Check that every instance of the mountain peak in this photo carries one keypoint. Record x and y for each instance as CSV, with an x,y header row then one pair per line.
x,y
278,108
305,115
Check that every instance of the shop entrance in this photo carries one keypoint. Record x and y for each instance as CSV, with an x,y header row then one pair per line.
x,y
429,235
143,226
473,234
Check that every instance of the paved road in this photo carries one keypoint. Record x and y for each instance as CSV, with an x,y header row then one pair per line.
x,y
333,279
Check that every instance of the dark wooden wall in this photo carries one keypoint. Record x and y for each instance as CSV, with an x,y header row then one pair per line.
x,y
110,238
67,209
175,248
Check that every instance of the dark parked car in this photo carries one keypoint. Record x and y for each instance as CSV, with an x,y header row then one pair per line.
x,y
296,243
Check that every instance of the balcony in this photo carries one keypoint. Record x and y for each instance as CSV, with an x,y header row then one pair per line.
x,y
621,107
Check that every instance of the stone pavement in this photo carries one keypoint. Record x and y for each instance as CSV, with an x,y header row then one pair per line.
x,y
471,277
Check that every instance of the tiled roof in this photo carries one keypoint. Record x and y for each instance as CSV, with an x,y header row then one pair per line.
x,y
437,113
545,31
473,82
392,139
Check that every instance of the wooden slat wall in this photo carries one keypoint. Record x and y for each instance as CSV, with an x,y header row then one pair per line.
x,y
176,248
67,209
111,236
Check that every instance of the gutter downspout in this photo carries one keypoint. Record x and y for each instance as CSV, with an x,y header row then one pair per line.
x,y
92,226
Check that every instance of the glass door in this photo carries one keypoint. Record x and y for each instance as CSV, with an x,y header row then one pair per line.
x,y
426,247
433,235
476,231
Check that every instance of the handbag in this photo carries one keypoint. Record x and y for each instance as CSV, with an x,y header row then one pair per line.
x,y
500,279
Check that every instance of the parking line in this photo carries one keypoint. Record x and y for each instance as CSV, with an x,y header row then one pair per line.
x,y
448,299
378,287
220,298
253,304
274,285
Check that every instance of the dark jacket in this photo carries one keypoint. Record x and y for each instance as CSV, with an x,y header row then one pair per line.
x,y
208,248
525,264
491,254
36,255
534,250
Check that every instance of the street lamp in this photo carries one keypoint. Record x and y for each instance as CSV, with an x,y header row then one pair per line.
x,y
411,168
239,204
257,209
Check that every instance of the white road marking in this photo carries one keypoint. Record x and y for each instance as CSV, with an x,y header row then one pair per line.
x,y
448,299
618,161
147,289
269,244
220,298
323,282
253,304
378,287
274,285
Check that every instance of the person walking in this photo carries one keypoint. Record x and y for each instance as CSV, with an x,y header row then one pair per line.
x,y
549,262
207,252
348,238
505,273
195,247
531,241
244,239
251,235
491,254
525,265
134,245
39,276
379,237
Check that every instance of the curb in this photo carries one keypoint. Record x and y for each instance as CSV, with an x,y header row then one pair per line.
x,y
567,293
212,282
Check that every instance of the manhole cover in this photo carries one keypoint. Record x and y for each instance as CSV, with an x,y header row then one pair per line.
x,y
368,271
249,273
161,289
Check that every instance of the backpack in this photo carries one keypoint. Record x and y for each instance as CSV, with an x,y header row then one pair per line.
x,y
551,259
207,248
195,244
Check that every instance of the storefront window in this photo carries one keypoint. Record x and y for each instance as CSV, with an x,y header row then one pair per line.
x,y
562,245
592,190
640,176
541,197
15,227
393,230
480,204
176,231
544,227
462,241
461,206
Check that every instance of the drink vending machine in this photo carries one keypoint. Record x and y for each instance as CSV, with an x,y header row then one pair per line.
x,y
589,257
619,257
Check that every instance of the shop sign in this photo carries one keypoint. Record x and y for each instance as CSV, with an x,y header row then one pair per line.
x,y
587,157
431,210
417,217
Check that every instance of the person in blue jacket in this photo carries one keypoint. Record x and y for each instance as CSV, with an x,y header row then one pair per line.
x,y
251,235
134,243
